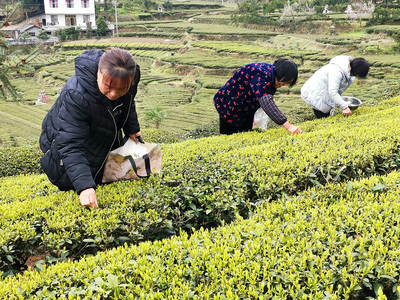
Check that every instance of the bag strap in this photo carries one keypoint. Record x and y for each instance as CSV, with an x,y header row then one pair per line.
x,y
146,163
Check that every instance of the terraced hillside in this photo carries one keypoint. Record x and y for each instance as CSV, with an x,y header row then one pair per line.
x,y
182,73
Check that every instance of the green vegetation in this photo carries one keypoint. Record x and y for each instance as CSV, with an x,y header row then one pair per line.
x,y
156,115
310,200
11,62
102,27
259,215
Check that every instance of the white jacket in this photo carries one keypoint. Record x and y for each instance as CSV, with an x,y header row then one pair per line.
x,y
322,91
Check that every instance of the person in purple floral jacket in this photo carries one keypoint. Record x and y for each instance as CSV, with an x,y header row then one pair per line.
x,y
251,87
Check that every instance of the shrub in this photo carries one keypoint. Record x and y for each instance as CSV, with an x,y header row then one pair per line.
x,y
20,160
102,27
339,241
43,35
88,33
189,29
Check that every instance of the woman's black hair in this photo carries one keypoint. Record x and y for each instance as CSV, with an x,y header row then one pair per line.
x,y
286,71
118,65
359,67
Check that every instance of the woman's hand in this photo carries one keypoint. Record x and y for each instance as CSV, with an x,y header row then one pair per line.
x,y
291,128
347,112
88,198
135,136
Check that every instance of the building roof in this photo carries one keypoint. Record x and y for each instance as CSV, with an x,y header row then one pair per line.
x,y
25,27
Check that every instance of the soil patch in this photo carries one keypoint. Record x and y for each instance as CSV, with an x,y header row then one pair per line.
x,y
32,260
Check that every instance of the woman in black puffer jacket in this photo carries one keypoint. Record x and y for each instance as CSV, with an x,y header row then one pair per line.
x,y
87,120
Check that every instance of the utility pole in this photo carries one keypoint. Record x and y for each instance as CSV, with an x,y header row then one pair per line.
x,y
116,18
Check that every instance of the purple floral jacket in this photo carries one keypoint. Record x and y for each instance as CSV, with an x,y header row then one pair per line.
x,y
249,88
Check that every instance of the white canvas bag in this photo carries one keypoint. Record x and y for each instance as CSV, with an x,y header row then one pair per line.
x,y
132,161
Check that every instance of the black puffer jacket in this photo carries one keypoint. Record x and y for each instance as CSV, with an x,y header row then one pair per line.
x,y
80,130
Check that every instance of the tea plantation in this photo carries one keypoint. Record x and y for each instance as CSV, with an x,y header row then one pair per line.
x,y
258,215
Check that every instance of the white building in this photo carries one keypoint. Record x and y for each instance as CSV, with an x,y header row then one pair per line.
x,y
69,12
65,13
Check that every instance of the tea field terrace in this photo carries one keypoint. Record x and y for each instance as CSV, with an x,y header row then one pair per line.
x,y
294,208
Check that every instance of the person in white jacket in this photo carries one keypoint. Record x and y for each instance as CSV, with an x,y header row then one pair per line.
x,y
324,88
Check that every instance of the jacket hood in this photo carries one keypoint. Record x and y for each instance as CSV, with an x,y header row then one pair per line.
x,y
343,62
86,66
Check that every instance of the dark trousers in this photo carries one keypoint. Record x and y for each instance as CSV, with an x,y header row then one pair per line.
x,y
226,128
319,114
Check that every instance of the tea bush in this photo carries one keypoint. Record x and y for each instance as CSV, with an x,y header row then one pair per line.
x,y
204,183
337,242
20,160
250,49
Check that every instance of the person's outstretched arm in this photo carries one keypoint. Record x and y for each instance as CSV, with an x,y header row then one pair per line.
x,y
268,105
292,128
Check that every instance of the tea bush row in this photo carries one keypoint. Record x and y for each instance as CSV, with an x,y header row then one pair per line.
x,y
206,60
338,41
137,23
252,49
126,46
216,30
136,53
273,163
19,160
146,79
32,114
204,182
388,29
336,242
38,63
26,160
169,35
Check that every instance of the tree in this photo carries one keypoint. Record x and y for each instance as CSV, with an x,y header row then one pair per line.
x,y
33,5
268,8
11,62
102,26
89,29
302,7
361,10
250,7
396,37
289,11
23,36
189,29
156,115
107,5
70,33
43,35
146,4
168,5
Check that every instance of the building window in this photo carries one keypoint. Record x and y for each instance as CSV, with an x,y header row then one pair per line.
x,y
32,34
70,3
86,19
54,3
70,20
85,3
54,20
